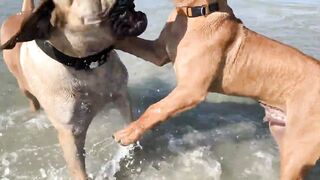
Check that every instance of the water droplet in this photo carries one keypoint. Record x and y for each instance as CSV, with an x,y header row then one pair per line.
x,y
158,110
90,175
6,172
43,173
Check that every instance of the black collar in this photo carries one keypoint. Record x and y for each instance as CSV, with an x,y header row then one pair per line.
x,y
83,63
197,11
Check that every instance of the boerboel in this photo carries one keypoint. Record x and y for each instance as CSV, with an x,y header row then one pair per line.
x,y
212,51
63,60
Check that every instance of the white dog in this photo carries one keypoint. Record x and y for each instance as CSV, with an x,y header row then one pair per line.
x,y
63,59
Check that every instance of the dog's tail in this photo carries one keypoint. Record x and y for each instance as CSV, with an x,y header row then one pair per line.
x,y
27,5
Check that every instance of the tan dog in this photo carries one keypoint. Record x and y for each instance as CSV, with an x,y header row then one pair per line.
x,y
214,52
71,94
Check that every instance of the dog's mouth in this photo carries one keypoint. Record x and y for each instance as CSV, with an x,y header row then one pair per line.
x,y
126,21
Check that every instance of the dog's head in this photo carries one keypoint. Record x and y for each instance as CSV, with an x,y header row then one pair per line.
x,y
91,20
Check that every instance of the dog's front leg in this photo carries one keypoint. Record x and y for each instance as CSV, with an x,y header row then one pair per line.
x,y
122,103
74,154
194,77
180,99
72,132
152,51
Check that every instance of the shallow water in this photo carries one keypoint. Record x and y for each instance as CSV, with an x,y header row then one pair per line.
x,y
224,138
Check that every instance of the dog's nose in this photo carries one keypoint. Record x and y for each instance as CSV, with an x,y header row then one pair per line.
x,y
128,3
125,2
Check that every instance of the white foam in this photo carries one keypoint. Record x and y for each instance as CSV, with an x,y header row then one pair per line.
x,y
109,169
11,118
203,164
259,167
39,121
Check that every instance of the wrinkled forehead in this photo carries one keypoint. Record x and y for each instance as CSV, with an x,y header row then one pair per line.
x,y
85,7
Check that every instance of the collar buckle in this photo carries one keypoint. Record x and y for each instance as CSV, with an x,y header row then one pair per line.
x,y
189,11
203,10
197,11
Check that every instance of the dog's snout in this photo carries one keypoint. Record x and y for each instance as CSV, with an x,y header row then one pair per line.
x,y
125,20
127,3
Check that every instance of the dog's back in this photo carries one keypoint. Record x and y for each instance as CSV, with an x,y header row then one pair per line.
x,y
9,28
12,57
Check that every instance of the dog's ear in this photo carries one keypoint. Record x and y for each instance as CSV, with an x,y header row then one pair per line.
x,y
224,7
35,26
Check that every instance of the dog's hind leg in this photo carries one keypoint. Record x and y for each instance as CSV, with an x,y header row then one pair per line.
x,y
123,104
300,151
300,146
277,132
12,57
33,101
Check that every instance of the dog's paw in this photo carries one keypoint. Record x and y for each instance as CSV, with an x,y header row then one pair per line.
x,y
130,134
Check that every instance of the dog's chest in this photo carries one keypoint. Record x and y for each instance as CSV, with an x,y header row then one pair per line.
x,y
173,34
47,77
